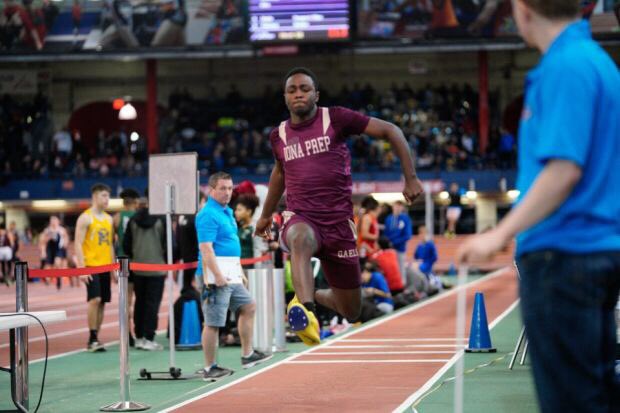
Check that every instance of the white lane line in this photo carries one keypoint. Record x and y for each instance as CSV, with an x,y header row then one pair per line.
x,y
367,361
375,353
415,396
401,346
326,345
381,340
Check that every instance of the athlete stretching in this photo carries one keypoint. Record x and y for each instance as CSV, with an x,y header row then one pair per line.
x,y
313,164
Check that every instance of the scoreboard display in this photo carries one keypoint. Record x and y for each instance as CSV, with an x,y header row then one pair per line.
x,y
298,20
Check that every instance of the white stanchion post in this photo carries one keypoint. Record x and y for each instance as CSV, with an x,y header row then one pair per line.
x,y
125,404
261,290
279,310
169,195
461,307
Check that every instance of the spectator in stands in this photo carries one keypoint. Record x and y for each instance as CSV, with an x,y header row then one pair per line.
x,y
368,233
63,143
145,241
387,260
397,229
94,246
50,12
131,199
375,286
220,267
453,214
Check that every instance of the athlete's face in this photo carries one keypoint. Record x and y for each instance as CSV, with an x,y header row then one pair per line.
x,y
101,199
222,192
300,95
54,221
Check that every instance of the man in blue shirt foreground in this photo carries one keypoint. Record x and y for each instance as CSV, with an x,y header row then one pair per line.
x,y
567,221
220,266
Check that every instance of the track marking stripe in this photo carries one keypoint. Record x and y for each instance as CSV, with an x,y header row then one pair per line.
x,y
368,325
371,340
351,353
367,361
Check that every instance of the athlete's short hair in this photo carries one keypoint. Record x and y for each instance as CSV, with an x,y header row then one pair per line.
x,y
555,9
99,187
303,71
214,178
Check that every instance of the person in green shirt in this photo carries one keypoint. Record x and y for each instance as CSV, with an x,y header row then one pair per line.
x,y
244,210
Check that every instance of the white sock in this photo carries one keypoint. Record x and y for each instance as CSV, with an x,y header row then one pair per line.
x,y
252,352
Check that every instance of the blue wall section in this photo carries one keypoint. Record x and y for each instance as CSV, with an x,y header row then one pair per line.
x,y
80,188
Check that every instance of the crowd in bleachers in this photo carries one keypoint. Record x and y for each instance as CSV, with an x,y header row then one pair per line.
x,y
231,132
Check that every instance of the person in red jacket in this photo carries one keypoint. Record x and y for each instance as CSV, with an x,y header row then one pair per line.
x,y
386,258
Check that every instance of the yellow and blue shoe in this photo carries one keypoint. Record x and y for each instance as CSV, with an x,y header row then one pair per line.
x,y
303,323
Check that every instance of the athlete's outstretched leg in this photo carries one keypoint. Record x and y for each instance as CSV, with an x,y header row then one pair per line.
x,y
347,302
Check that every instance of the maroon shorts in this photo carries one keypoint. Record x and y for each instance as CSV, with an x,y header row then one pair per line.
x,y
336,249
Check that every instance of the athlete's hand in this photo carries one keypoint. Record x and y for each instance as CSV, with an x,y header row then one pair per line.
x,y
114,275
481,247
86,279
263,228
413,189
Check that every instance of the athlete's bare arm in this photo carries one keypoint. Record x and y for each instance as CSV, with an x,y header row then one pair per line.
x,y
380,129
81,227
276,189
43,243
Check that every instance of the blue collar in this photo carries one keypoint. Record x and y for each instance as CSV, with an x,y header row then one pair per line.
x,y
212,203
577,30
573,32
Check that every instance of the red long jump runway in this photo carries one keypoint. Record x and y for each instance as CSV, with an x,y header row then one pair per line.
x,y
70,335
375,368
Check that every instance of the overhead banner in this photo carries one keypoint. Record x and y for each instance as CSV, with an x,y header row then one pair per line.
x,y
18,82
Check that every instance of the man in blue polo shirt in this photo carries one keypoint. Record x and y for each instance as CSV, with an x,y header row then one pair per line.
x,y
220,267
567,220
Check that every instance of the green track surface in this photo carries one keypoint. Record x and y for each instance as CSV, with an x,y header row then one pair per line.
x,y
490,389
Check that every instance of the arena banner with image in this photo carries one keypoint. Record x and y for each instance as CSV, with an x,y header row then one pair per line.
x,y
460,19
72,26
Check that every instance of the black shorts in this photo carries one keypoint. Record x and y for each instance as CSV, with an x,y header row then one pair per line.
x,y
99,286
62,253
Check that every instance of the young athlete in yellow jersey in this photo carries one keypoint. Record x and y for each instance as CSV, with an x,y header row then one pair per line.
x,y
94,235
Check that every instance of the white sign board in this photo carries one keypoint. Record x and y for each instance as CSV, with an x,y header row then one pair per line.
x,y
179,172
18,82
